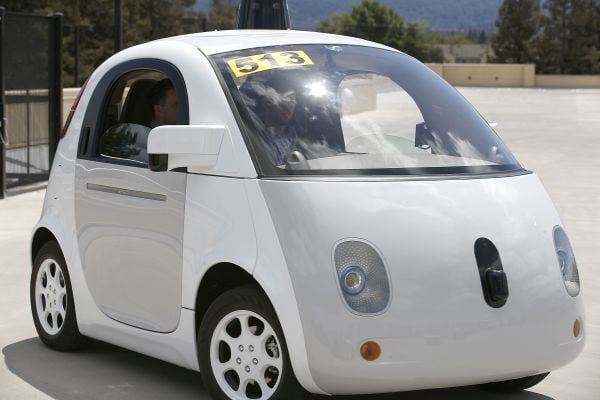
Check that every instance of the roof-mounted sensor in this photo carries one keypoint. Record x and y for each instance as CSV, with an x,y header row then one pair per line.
x,y
263,14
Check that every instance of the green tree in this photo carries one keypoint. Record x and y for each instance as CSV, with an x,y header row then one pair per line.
x,y
438,38
518,23
417,42
222,15
568,43
476,36
414,41
596,50
372,20
25,6
143,20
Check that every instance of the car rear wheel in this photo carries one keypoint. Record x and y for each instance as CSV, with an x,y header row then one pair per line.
x,y
51,297
514,385
242,351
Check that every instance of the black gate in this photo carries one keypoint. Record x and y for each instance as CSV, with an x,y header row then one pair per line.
x,y
30,97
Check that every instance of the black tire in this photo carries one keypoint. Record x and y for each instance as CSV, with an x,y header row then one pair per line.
x,y
513,385
68,337
245,298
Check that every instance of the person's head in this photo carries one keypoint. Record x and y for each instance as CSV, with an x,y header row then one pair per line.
x,y
164,102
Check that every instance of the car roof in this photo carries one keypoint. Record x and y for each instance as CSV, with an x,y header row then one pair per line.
x,y
225,41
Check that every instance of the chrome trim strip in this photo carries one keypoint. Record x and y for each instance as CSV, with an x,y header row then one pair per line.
x,y
126,192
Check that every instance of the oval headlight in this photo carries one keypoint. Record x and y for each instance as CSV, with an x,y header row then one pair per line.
x,y
566,261
362,276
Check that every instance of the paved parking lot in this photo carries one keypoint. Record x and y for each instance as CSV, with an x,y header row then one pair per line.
x,y
553,132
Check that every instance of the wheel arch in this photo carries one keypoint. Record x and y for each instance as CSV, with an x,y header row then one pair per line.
x,y
217,280
225,276
41,236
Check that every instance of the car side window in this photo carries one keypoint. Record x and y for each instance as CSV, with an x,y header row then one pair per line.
x,y
126,103
137,102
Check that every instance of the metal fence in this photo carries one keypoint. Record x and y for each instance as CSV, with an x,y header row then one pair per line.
x,y
31,96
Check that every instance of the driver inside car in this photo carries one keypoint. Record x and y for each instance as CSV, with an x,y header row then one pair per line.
x,y
163,99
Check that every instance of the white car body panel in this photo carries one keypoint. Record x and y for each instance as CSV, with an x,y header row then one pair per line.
x,y
283,232
177,347
218,229
438,313
129,225
274,277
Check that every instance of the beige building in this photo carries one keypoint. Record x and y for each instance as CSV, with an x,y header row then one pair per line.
x,y
466,53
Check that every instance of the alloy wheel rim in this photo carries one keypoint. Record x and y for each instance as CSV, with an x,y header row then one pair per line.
x,y
245,356
51,296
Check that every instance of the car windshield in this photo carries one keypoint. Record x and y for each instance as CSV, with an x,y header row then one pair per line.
x,y
355,110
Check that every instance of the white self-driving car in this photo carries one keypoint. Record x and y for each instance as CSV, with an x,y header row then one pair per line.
x,y
327,216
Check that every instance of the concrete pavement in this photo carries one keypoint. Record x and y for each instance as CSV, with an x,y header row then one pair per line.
x,y
553,132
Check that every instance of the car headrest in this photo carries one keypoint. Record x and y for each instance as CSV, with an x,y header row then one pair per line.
x,y
137,108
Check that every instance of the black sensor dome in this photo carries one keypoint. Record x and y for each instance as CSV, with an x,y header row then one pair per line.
x,y
263,14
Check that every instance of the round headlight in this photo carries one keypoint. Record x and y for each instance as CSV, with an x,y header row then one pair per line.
x,y
566,261
353,280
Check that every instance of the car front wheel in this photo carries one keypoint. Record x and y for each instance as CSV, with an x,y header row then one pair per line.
x,y
242,351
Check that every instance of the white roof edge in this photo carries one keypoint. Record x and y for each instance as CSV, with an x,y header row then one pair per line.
x,y
216,42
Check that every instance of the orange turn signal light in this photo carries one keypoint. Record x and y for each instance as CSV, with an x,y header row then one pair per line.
x,y
576,328
370,350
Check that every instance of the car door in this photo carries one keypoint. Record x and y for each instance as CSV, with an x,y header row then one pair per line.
x,y
129,220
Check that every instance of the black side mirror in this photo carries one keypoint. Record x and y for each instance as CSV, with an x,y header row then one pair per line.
x,y
158,162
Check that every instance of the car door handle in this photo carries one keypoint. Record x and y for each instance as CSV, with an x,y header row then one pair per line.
x,y
126,192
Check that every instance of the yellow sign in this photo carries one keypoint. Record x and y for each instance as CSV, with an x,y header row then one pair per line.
x,y
263,62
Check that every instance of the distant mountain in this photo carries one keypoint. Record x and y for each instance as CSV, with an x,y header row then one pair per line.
x,y
439,14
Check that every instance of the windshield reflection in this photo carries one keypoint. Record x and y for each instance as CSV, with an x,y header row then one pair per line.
x,y
356,110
